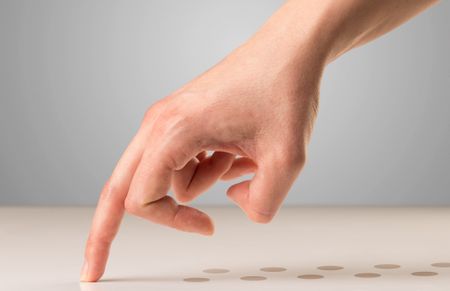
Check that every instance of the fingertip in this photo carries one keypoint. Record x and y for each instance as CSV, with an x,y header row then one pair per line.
x,y
206,226
193,220
84,276
96,256
239,192
209,229
92,277
259,217
88,279
183,198
90,274
240,166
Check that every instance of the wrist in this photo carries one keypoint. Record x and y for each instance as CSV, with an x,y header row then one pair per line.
x,y
317,31
321,31
294,36
334,27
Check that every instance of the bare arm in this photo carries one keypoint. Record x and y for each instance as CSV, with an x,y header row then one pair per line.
x,y
332,27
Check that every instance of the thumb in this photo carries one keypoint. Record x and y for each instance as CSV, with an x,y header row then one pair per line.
x,y
261,197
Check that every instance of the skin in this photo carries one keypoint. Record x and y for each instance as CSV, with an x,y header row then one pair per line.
x,y
255,110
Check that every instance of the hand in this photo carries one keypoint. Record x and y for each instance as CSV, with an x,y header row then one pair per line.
x,y
255,110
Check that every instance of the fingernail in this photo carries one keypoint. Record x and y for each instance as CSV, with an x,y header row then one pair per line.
x,y
84,272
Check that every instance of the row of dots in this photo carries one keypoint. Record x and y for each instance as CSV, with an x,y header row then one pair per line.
x,y
317,276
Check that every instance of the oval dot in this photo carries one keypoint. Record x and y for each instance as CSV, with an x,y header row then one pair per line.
x,y
216,271
387,266
196,279
330,268
367,275
424,274
273,269
310,276
253,278
441,265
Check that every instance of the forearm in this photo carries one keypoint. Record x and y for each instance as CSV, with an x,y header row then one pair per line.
x,y
351,23
326,29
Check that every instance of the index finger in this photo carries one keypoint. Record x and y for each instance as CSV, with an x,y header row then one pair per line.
x,y
109,212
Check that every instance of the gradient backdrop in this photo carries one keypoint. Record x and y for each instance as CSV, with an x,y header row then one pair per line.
x,y
77,76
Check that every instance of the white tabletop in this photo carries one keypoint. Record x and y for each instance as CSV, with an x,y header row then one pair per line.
x,y
42,249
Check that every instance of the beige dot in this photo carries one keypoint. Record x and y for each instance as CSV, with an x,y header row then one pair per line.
x,y
196,279
253,278
310,276
367,275
216,271
330,268
387,266
441,265
424,274
273,269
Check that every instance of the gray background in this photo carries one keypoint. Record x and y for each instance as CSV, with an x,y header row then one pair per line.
x,y
77,76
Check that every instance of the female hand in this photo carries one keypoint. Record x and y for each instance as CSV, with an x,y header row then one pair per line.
x,y
255,110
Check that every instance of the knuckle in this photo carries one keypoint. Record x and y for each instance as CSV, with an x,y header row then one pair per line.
x,y
149,114
173,121
171,117
298,159
293,157
131,206
177,157
171,161
153,111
